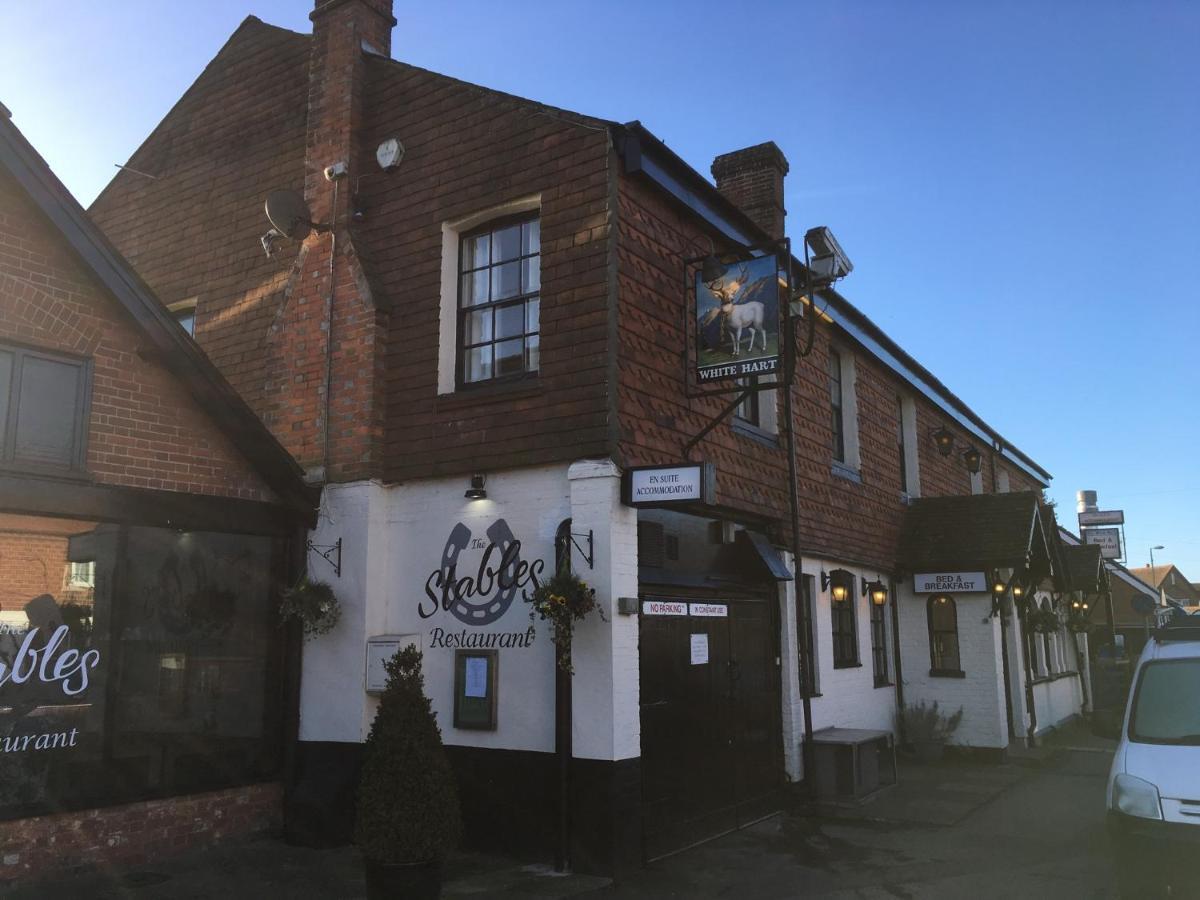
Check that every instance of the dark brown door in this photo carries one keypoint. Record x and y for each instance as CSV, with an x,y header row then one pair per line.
x,y
711,753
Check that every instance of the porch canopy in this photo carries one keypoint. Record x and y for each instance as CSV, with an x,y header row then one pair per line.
x,y
978,532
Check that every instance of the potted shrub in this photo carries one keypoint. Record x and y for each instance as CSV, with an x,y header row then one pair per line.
x,y
408,815
313,604
927,729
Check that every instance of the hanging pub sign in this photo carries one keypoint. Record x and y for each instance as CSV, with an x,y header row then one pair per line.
x,y
737,320
653,485
1108,540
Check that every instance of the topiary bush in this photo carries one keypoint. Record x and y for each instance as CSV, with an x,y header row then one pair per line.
x,y
407,798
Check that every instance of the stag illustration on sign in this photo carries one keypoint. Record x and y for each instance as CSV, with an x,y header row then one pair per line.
x,y
737,320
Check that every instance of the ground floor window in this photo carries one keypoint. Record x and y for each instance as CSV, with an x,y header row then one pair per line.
x,y
137,662
943,636
879,655
809,681
845,625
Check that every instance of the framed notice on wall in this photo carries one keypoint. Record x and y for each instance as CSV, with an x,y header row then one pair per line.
x,y
475,689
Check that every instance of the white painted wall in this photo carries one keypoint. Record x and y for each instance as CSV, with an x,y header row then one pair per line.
x,y
849,697
980,694
394,537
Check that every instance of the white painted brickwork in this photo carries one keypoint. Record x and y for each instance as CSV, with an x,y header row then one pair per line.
x,y
980,694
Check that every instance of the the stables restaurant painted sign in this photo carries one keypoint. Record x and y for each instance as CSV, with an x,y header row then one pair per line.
x,y
484,590
737,320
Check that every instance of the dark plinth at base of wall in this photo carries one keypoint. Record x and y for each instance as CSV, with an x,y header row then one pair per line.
x,y
133,834
509,804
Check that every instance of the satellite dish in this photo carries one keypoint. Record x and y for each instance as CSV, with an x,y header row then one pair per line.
x,y
289,214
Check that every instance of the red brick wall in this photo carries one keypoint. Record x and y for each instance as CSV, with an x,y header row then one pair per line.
x,y
144,430
470,150
134,834
194,229
839,518
30,565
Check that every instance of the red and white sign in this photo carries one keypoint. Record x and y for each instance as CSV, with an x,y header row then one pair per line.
x,y
664,608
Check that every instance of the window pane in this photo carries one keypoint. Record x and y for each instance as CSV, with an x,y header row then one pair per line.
x,y
510,321
506,243
187,319
477,363
531,274
1167,707
478,326
475,288
531,237
532,355
531,316
506,280
46,412
6,365
510,357
475,251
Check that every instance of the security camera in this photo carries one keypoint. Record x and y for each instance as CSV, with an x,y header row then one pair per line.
x,y
268,242
335,171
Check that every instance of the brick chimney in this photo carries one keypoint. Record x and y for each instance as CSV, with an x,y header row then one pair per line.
x,y
326,346
752,179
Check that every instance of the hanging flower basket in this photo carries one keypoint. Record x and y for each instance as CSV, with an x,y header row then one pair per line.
x,y
1078,622
1044,621
563,601
313,604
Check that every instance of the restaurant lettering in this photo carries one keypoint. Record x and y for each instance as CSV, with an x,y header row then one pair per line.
x,y
50,664
485,595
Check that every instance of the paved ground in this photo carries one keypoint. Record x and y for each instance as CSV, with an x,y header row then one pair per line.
x,y
950,831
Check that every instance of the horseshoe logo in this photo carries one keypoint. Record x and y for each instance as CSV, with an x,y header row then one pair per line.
x,y
471,600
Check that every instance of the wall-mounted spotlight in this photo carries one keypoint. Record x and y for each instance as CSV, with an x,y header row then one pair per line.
x,y
999,587
973,458
476,490
841,581
944,439
876,590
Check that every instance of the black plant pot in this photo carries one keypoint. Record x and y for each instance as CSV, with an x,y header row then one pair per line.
x,y
404,881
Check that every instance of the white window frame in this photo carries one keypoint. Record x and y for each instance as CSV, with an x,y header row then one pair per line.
x,y
853,454
86,581
452,232
911,461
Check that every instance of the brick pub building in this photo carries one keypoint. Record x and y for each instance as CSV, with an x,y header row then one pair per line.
x,y
147,519
468,364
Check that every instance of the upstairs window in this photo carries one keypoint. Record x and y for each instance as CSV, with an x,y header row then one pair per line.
x,y
498,300
185,314
837,404
43,410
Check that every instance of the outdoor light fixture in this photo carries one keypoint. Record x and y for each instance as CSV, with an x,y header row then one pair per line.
x,y
944,440
476,491
876,590
841,580
998,585
828,261
973,458
711,270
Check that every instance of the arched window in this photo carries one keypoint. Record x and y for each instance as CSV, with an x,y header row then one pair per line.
x,y
943,636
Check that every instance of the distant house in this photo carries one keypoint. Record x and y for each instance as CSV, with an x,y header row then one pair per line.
x,y
1170,583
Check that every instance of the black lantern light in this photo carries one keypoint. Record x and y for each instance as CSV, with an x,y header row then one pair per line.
x,y
944,440
999,587
876,590
476,490
841,582
973,458
711,269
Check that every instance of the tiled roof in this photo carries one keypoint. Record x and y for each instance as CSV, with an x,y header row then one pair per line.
x,y
980,530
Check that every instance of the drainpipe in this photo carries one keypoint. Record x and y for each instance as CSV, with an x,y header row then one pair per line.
x,y
1029,702
896,650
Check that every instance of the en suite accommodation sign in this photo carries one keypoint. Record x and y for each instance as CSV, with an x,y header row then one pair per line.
x,y
654,485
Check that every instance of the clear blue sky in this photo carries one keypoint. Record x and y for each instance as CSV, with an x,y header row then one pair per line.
x,y
1018,184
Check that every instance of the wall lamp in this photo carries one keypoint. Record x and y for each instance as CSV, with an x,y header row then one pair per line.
x,y
876,590
842,582
476,490
973,458
944,439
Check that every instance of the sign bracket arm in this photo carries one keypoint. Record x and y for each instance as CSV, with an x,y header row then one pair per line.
x,y
713,423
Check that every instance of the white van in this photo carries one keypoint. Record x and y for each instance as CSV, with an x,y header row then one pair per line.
x,y
1154,783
